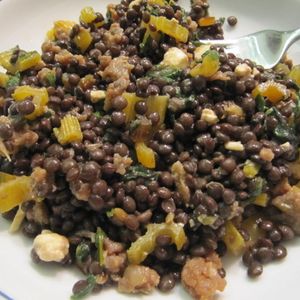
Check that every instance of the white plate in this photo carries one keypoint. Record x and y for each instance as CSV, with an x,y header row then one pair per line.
x,y
25,22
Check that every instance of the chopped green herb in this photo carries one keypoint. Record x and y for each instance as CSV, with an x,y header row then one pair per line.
x,y
110,213
99,240
260,103
169,74
222,20
297,113
283,131
98,114
139,171
258,186
82,252
13,80
51,78
91,282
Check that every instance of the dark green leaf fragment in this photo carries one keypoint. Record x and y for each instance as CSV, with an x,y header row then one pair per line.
x,y
99,242
82,252
13,81
139,171
91,283
168,74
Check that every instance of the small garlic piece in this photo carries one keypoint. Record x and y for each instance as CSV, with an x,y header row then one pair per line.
x,y
176,57
209,116
97,95
242,70
51,247
234,146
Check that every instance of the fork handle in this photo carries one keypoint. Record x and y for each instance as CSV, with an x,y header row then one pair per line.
x,y
218,42
294,36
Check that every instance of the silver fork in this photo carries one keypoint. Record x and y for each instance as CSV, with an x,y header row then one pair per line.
x,y
265,47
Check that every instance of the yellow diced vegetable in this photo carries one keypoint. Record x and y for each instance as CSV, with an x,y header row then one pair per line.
x,y
233,239
233,109
14,192
145,244
87,15
119,213
207,21
40,99
63,26
209,66
50,35
171,28
25,61
272,90
158,104
251,226
251,169
3,80
83,39
295,74
129,110
145,155
69,130
261,200
17,221
5,177
157,2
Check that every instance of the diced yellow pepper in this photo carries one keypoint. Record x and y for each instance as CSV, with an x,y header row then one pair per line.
x,y
295,74
207,21
251,226
83,39
25,61
69,130
251,169
14,192
87,15
50,35
233,239
119,213
3,80
261,200
64,26
158,104
209,66
17,221
171,28
145,244
145,155
5,177
40,99
272,90
129,110
157,2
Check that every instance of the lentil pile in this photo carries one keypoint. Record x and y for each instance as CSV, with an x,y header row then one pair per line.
x,y
140,156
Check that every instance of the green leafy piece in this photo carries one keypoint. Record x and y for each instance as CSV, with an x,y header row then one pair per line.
x,y
169,74
283,131
110,213
82,252
258,184
13,80
99,240
91,283
260,103
98,114
51,78
296,112
139,171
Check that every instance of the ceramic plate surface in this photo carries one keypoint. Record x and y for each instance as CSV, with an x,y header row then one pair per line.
x,y
24,22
